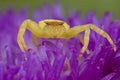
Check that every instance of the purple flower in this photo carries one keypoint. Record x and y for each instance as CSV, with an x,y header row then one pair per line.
x,y
53,63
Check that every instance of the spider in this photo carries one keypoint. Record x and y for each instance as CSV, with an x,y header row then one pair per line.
x,y
57,29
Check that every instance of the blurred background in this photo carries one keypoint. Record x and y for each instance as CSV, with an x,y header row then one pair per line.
x,y
84,6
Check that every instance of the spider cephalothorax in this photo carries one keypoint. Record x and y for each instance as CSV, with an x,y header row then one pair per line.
x,y
56,29
53,29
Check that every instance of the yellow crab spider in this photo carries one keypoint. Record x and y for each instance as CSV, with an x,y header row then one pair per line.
x,y
57,29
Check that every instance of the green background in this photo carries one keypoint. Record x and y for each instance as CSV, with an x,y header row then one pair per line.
x,y
84,6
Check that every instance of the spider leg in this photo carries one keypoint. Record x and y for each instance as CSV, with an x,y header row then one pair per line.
x,y
82,41
86,40
75,31
36,41
103,33
31,26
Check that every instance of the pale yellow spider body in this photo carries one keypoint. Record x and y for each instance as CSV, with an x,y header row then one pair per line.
x,y
57,29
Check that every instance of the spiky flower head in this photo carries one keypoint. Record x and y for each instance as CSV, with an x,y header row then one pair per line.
x,y
102,64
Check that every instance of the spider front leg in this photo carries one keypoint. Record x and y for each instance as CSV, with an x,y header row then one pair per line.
x,y
77,29
102,33
31,26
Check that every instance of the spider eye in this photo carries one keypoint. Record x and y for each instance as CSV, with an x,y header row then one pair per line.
x,y
54,23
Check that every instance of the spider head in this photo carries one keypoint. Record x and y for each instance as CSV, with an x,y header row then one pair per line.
x,y
53,27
